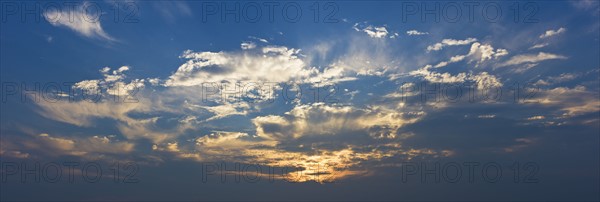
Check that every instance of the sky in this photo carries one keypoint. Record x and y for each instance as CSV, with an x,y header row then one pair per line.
x,y
300,100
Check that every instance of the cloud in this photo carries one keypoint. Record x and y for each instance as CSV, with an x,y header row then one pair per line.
x,y
592,6
535,118
550,33
552,80
450,42
319,119
571,101
271,63
248,45
142,119
79,21
482,52
112,83
415,32
487,116
227,109
350,135
541,45
520,144
483,80
259,39
274,64
171,10
14,154
532,58
372,31
45,145
334,164
478,52
112,98
287,140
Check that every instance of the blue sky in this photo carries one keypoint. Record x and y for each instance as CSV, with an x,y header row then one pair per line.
x,y
350,91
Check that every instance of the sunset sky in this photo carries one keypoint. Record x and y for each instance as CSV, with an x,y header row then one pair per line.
x,y
330,100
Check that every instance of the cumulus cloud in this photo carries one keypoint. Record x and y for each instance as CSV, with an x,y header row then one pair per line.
x,y
450,42
113,84
483,52
551,33
275,64
79,21
272,63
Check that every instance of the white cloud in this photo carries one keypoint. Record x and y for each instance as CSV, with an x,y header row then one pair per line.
x,y
483,80
532,58
112,82
450,42
272,63
550,33
415,32
372,31
478,52
541,45
228,109
259,39
483,52
248,45
79,21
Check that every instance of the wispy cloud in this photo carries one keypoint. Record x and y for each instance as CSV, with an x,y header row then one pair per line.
x,y
532,58
541,45
80,21
171,10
